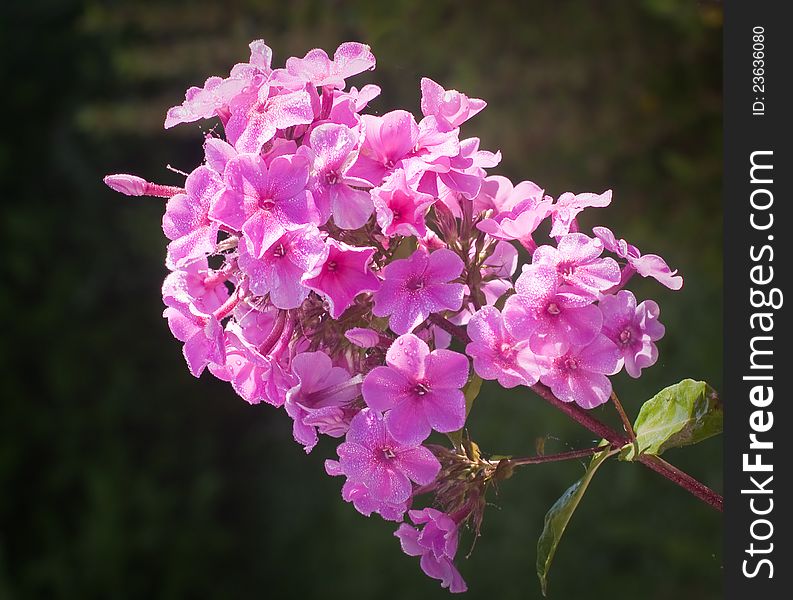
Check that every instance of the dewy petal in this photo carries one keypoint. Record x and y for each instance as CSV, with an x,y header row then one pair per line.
x,y
407,422
408,355
419,464
445,409
443,265
384,387
447,369
388,485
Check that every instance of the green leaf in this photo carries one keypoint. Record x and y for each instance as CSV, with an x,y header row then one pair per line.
x,y
471,390
559,516
682,414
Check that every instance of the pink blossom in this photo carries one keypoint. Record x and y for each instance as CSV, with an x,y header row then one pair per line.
x,y
195,286
186,221
569,205
343,275
347,105
579,375
279,270
415,287
551,319
362,500
633,329
436,544
387,140
450,107
579,266
319,70
332,149
400,209
647,265
372,457
419,389
217,93
499,195
257,115
319,399
498,355
264,201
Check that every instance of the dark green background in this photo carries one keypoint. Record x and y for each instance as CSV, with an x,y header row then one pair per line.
x,y
121,476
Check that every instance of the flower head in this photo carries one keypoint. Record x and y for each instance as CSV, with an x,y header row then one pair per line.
x,y
371,457
435,543
633,329
343,275
419,389
415,287
579,375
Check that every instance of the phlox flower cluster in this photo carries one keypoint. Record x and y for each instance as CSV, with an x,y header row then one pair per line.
x,y
321,258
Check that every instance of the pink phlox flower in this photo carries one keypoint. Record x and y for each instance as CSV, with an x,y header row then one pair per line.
x,y
549,317
263,201
317,69
569,205
499,195
370,456
646,265
450,107
197,287
436,544
254,377
517,211
419,389
218,93
361,499
332,149
580,375
257,115
347,105
400,209
345,273
387,141
186,221
415,287
579,266
203,338
320,398
280,269
633,329
498,355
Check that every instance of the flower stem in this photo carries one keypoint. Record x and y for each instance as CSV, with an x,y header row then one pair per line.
x,y
583,418
545,458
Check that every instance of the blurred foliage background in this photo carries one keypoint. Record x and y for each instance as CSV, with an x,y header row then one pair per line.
x,y
123,477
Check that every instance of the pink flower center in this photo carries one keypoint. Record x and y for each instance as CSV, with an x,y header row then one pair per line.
x,y
625,337
566,270
506,351
267,203
388,453
332,178
571,364
415,284
279,251
331,265
421,389
396,214
553,309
